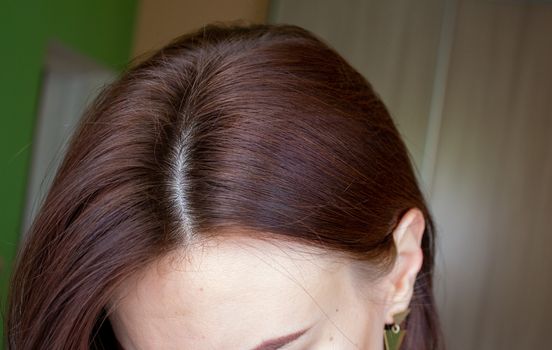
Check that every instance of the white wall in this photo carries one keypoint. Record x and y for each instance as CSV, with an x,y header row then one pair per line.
x,y
69,82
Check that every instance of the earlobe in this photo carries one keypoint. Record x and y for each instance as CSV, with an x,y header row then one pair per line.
x,y
408,237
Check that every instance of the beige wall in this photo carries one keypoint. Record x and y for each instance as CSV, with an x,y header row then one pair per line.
x,y
393,44
159,21
469,83
492,189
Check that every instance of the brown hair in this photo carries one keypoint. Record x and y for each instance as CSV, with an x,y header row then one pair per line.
x,y
258,126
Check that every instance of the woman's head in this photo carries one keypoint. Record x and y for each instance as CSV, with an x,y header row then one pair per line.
x,y
242,183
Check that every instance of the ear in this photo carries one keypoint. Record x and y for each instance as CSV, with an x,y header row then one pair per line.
x,y
408,238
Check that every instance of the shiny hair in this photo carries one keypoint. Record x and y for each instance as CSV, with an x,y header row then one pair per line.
x,y
264,127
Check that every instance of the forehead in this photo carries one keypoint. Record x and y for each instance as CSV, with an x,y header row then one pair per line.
x,y
228,294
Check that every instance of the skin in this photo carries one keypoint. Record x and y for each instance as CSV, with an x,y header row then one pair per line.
x,y
236,293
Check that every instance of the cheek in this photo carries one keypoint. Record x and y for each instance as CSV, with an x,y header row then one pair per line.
x,y
373,333
352,326
366,329
124,333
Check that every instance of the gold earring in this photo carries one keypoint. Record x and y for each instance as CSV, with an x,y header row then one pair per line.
x,y
394,335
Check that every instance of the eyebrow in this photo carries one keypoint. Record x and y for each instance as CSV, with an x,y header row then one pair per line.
x,y
277,343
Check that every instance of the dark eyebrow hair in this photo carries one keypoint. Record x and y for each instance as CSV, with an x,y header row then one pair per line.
x,y
277,343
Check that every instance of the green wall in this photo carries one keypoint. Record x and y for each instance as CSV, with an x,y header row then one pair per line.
x,y
100,29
